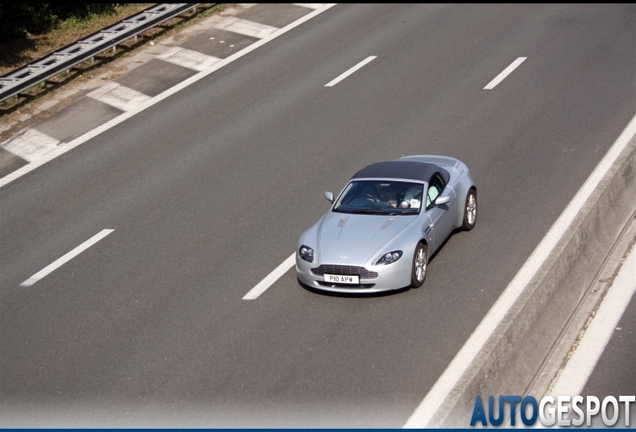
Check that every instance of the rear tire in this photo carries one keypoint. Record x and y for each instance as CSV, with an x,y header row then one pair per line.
x,y
420,265
470,210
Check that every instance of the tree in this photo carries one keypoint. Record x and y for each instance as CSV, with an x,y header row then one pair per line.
x,y
19,19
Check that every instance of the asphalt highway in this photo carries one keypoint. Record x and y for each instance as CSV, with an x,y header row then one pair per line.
x,y
207,191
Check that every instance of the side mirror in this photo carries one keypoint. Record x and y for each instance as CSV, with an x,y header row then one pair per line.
x,y
442,200
329,196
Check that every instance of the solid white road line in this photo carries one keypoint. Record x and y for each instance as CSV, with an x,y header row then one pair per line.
x,y
507,71
271,278
582,363
350,71
61,149
66,258
467,354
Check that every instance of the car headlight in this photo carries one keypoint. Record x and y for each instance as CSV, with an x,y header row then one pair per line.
x,y
388,257
306,253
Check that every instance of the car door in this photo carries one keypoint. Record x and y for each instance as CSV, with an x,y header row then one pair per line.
x,y
441,215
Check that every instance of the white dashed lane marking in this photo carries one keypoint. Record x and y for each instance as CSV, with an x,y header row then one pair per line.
x,y
271,278
66,258
350,71
507,71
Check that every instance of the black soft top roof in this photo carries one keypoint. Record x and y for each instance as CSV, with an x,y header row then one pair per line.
x,y
420,171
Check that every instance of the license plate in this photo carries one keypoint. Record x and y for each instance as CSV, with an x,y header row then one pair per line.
x,y
342,279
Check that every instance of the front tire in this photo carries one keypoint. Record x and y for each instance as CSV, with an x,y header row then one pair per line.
x,y
420,265
470,210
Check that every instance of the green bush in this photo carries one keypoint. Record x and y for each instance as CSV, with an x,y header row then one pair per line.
x,y
18,19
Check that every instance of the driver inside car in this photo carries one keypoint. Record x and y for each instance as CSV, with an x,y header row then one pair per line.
x,y
387,194
412,197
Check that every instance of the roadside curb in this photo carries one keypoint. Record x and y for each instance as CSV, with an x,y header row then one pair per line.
x,y
515,352
579,350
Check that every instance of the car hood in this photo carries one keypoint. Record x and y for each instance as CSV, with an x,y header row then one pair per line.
x,y
354,239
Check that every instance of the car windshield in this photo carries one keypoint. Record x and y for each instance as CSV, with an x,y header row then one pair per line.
x,y
380,197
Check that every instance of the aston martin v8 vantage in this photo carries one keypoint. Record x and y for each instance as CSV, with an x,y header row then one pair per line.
x,y
381,229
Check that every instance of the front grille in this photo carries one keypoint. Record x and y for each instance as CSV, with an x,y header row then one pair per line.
x,y
332,285
344,270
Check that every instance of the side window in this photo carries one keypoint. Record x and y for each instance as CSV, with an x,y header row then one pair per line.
x,y
434,190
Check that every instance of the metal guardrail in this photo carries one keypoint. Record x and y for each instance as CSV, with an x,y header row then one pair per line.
x,y
32,74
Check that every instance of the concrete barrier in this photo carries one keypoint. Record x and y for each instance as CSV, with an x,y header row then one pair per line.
x,y
516,351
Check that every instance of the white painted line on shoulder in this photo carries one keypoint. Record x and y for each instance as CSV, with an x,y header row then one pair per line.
x,y
441,390
61,149
507,71
245,27
119,96
31,144
350,71
188,58
271,278
579,367
66,258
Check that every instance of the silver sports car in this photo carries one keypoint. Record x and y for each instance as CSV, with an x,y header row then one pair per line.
x,y
384,225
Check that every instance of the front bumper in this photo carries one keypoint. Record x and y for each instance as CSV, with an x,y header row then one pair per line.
x,y
389,277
